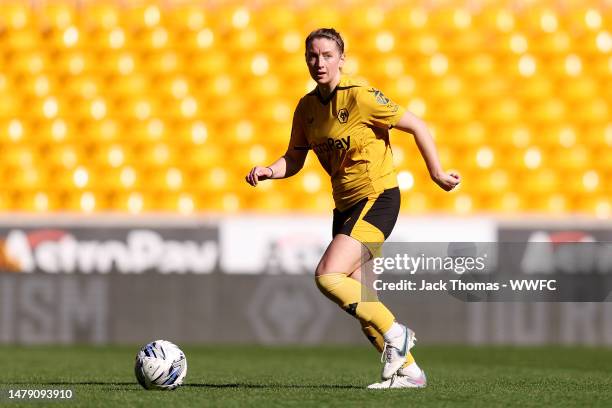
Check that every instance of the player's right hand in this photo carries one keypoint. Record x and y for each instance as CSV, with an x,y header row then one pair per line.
x,y
258,173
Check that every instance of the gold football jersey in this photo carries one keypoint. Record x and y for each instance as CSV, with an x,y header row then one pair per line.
x,y
349,133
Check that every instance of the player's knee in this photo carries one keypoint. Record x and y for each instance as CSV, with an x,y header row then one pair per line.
x,y
329,266
324,268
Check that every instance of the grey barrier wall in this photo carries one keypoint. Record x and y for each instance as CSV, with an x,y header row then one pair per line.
x,y
121,281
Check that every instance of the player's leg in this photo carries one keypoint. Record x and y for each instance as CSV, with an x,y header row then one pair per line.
x,y
372,227
343,256
410,367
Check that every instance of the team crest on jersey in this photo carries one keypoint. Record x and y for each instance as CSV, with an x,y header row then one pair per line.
x,y
343,115
381,99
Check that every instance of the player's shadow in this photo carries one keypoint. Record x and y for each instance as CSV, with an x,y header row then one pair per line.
x,y
238,385
210,386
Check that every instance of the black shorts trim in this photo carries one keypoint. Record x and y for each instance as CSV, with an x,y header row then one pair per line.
x,y
382,214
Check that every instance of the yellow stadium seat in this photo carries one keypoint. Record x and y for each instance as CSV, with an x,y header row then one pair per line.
x,y
594,111
576,157
182,202
64,157
581,89
415,203
59,130
154,39
142,16
203,157
555,43
38,201
17,15
598,205
537,87
104,130
320,202
72,63
464,42
58,15
504,110
132,85
508,202
215,178
593,43
207,64
453,20
186,17
326,14
114,155
276,19
124,62
419,44
29,62
541,181
271,202
86,201
133,202
546,111
488,87
158,154
123,179
600,65
9,106
155,107
49,107
453,110
102,15
478,65
26,178
8,198
164,177
108,39
138,108
165,62
228,202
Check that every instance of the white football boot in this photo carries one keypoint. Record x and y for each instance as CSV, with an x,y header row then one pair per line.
x,y
395,352
401,381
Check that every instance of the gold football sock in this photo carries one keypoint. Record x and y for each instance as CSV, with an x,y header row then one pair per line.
x,y
378,342
356,300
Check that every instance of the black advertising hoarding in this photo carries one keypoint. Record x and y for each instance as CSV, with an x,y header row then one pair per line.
x,y
249,279
120,249
104,280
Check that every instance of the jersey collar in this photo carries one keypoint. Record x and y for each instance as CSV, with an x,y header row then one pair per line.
x,y
331,95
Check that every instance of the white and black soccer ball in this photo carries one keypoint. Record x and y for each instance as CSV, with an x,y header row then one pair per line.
x,y
160,365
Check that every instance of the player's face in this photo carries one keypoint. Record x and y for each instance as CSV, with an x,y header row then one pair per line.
x,y
324,61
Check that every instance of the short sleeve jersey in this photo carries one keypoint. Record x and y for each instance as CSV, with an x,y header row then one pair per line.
x,y
349,133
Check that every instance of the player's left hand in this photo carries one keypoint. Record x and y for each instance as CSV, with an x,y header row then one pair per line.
x,y
447,181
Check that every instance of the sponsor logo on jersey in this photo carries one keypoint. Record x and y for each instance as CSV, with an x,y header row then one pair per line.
x,y
381,99
332,144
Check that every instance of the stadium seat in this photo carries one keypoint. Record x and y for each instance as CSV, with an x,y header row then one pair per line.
x,y
185,98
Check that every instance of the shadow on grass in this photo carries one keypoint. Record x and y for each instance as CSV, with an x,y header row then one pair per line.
x,y
210,386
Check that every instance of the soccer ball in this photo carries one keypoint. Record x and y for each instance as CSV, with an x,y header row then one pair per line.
x,y
160,365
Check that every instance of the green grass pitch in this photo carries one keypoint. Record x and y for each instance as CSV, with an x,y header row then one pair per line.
x,y
330,376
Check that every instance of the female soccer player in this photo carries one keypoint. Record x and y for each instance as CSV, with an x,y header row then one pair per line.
x,y
346,123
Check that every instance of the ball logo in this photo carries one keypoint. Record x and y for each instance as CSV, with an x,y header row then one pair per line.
x,y
343,115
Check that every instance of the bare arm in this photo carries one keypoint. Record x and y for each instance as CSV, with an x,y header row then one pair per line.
x,y
412,124
285,166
